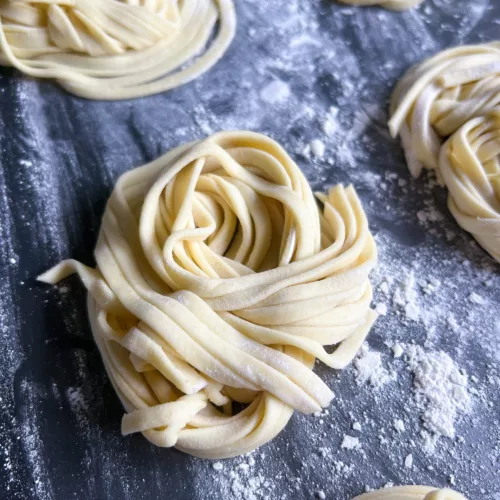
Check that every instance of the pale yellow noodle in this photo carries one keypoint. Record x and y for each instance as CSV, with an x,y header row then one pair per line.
x,y
469,163
115,49
218,283
411,493
446,112
387,4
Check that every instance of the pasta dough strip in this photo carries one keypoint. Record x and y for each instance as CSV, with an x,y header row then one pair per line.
x,y
387,4
411,493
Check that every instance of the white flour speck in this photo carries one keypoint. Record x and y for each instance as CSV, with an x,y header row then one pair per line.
x,y
369,368
276,92
318,148
441,392
350,442
381,309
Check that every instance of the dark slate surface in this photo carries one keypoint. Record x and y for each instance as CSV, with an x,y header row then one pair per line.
x,y
59,158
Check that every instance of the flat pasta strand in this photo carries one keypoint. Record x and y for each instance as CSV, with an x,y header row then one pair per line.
x,y
411,493
218,283
387,4
115,49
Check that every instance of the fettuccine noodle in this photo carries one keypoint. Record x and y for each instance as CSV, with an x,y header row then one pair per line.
x,y
453,98
387,4
411,493
114,49
218,283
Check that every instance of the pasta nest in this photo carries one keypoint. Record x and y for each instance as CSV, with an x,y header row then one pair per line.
x,y
446,112
114,49
219,280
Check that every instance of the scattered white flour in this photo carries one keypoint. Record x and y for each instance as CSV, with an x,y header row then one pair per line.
x,y
441,392
33,444
430,214
369,368
330,125
342,469
384,287
242,481
350,442
399,425
476,298
431,286
452,323
318,148
412,311
397,350
409,461
356,426
381,309
76,398
275,92
405,297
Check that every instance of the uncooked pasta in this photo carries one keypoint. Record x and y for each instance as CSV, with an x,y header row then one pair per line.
x,y
220,279
387,4
115,49
453,98
411,493
470,167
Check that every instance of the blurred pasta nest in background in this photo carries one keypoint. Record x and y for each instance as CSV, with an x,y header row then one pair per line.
x,y
115,49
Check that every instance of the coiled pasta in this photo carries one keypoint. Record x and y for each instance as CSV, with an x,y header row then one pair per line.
x,y
469,164
218,283
436,97
114,49
453,98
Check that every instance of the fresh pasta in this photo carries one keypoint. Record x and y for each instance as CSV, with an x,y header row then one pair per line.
x,y
446,112
387,4
470,166
411,493
219,281
115,49
436,97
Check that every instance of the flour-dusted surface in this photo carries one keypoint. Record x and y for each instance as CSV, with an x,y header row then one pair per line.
x,y
420,405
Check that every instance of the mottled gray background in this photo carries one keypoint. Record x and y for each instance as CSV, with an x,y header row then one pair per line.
x,y
59,158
